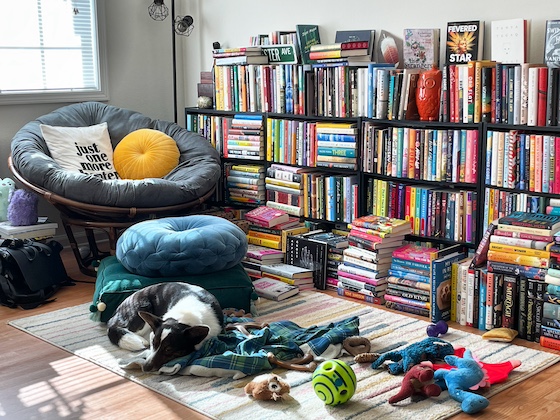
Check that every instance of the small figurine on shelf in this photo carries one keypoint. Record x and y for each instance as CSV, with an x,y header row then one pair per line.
x,y
7,187
428,94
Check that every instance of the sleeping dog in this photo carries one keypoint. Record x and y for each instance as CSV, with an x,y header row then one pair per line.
x,y
171,319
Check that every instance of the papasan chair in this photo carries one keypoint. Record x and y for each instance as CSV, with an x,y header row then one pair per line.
x,y
87,201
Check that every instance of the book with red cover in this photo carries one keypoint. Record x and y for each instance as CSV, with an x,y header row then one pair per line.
x,y
542,95
267,216
414,252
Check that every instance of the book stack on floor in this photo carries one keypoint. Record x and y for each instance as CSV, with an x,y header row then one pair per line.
x,y
245,183
517,251
550,321
244,138
289,274
311,250
420,281
366,262
335,255
257,256
271,227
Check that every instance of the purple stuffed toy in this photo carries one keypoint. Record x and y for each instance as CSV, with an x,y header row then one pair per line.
x,y
23,209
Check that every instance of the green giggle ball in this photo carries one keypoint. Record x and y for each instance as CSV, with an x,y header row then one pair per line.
x,y
334,382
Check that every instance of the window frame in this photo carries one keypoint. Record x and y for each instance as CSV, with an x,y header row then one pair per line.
x,y
102,94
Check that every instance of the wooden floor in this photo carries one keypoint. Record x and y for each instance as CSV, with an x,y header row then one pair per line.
x,y
40,381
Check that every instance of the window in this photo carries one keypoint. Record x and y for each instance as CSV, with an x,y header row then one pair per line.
x,y
50,51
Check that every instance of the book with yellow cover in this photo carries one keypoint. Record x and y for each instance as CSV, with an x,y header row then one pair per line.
x,y
518,259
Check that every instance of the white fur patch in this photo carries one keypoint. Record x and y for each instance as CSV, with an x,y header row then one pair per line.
x,y
191,311
133,342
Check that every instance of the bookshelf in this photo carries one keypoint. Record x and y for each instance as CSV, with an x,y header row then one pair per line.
x,y
455,160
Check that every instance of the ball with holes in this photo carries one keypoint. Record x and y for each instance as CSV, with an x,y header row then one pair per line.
x,y
334,382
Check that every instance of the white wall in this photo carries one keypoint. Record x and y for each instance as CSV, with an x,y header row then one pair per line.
x,y
140,55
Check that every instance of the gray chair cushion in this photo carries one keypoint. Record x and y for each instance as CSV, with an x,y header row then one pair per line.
x,y
197,173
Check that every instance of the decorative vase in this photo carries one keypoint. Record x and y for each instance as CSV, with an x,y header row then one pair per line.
x,y
428,94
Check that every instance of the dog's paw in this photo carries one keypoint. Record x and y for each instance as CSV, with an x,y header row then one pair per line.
x,y
133,342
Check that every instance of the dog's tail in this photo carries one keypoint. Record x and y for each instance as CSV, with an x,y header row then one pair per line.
x,y
126,339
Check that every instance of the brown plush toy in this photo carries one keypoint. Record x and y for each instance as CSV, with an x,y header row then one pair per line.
x,y
267,387
417,381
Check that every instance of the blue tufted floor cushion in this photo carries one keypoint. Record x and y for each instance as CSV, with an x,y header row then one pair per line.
x,y
176,246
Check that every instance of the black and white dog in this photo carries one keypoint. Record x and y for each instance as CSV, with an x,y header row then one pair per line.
x,y
172,319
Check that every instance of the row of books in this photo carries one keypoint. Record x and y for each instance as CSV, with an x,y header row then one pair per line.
x,y
314,144
522,161
431,212
500,203
495,92
449,155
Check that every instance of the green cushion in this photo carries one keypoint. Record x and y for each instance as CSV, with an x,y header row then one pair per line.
x,y
232,287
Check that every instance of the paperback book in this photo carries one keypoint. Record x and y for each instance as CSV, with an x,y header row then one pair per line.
x,y
267,216
274,289
552,43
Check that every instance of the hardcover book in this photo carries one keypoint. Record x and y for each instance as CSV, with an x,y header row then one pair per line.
x,y
382,224
310,255
267,216
307,35
348,36
274,289
464,41
552,43
509,41
287,270
547,222
440,274
421,48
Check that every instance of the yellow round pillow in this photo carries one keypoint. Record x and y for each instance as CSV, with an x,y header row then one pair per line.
x,y
145,153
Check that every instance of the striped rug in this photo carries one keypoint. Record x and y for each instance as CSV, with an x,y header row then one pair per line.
x,y
224,398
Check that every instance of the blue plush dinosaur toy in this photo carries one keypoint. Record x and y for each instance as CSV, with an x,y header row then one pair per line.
x,y
431,348
466,374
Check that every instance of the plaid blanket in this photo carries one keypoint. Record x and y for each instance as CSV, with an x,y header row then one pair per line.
x,y
234,351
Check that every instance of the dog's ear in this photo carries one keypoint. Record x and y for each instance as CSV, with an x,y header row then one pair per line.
x,y
152,320
196,333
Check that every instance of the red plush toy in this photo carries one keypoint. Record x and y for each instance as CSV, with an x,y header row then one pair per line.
x,y
417,381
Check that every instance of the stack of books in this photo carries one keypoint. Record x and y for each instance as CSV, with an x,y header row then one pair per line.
x,y
245,183
284,188
336,145
518,251
341,52
239,56
257,256
365,263
289,274
244,138
420,280
309,250
409,282
550,321
275,237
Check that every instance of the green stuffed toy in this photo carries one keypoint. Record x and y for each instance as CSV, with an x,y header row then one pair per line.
x,y
466,374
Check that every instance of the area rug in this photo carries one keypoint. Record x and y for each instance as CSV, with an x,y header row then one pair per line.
x,y
224,398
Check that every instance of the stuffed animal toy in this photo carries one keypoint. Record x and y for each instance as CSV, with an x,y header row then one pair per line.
x,y
497,372
7,187
267,387
467,375
419,380
431,348
23,209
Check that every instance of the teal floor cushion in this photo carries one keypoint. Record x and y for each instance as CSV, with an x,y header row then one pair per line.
x,y
232,287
